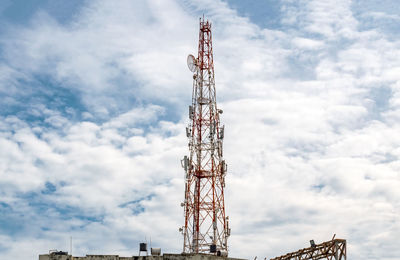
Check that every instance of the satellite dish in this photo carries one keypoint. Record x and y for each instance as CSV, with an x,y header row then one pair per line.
x,y
192,63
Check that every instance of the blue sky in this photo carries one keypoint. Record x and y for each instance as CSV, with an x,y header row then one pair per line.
x,y
94,108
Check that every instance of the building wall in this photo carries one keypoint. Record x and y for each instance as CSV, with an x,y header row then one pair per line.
x,y
116,257
55,257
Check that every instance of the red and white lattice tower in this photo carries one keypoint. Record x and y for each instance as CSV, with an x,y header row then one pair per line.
x,y
206,226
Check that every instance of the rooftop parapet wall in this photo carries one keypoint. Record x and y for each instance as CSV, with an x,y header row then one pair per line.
x,y
116,257
196,257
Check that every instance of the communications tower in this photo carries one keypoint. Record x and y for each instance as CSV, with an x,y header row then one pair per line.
x,y
206,227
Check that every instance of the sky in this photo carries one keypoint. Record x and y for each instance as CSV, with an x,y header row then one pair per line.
x,y
94,105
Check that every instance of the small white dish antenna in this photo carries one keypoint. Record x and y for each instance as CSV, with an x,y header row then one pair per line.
x,y
192,63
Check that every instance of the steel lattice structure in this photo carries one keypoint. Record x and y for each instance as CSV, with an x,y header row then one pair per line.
x,y
332,250
206,226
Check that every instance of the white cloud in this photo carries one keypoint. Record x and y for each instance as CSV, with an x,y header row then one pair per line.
x,y
307,43
382,15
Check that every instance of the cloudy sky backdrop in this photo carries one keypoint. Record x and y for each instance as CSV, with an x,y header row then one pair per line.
x,y
93,109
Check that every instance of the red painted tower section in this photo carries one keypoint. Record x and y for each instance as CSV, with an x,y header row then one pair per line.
x,y
206,225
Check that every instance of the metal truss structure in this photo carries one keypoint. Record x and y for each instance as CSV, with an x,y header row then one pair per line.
x,y
334,249
206,226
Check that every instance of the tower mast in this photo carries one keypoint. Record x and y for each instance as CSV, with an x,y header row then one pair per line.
x,y
206,226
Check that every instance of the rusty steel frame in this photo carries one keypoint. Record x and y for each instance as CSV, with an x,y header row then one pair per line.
x,y
332,250
206,225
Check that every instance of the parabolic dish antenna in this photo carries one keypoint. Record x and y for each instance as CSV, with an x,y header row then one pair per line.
x,y
192,63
